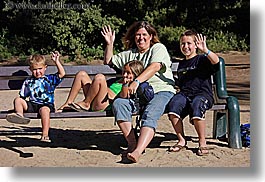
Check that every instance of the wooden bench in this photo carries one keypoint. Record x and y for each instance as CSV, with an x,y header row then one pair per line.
x,y
226,120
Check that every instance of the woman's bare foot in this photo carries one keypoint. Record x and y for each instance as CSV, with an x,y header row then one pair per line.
x,y
130,149
134,156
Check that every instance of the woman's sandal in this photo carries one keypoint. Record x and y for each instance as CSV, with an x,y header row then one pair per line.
x,y
177,148
65,108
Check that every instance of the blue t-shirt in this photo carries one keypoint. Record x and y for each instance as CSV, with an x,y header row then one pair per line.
x,y
194,76
40,90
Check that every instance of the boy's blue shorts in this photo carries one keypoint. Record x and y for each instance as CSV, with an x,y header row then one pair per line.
x,y
195,107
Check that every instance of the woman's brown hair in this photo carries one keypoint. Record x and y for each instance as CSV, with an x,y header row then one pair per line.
x,y
128,39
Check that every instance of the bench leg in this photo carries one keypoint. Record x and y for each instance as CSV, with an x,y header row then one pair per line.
x,y
234,135
219,124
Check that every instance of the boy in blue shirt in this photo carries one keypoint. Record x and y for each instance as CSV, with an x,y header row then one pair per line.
x,y
195,96
39,88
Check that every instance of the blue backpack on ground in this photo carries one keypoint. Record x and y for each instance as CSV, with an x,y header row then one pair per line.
x,y
245,134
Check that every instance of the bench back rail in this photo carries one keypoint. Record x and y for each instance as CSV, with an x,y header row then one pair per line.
x,y
12,77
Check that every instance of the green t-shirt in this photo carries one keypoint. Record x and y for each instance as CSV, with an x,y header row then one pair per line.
x,y
163,80
116,87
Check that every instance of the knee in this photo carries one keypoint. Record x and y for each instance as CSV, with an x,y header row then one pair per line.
x,y
177,101
150,124
122,110
81,74
118,103
99,77
18,100
44,109
172,117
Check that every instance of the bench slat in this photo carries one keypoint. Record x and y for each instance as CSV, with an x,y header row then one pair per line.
x,y
64,115
87,114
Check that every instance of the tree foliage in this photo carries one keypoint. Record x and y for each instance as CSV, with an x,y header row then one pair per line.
x,y
73,26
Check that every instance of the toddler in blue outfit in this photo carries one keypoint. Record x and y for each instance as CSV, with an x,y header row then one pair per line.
x,y
39,89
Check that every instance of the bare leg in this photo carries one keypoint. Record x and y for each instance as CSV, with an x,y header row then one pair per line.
x,y
96,95
200,126
178,127
146,135
128,133
82,80
20,105
45,120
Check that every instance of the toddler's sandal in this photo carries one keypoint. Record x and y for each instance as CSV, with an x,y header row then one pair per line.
x,y
45,139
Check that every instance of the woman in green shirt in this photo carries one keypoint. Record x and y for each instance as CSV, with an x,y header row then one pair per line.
x,y
141,42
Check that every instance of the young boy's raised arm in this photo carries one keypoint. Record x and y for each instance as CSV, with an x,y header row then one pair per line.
x,y
201,44
55,58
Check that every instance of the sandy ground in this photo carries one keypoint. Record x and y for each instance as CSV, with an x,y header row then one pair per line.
x,y
97,142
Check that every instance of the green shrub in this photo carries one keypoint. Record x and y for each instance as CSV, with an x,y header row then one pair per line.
x,y
74,31
4,51
219,41
169,36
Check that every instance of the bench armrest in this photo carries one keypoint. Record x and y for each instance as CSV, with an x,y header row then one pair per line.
x,y
220,80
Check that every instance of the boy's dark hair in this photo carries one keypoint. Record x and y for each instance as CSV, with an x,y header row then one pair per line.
x,y
188,32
